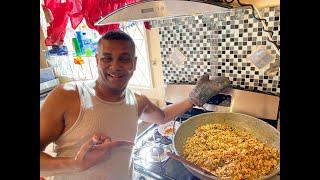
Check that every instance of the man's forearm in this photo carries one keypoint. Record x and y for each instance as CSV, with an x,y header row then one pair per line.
x,y
154,114
176,109
50,166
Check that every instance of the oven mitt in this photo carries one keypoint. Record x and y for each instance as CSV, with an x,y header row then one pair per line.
x,y
205,89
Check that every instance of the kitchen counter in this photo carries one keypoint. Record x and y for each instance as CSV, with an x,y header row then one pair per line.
x,y
255,104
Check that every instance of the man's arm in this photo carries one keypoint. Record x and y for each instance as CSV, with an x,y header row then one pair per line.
x,y
176,109
51,127
149,112
200,94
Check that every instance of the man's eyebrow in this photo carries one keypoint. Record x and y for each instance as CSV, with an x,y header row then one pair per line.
x,y
106,54
125,54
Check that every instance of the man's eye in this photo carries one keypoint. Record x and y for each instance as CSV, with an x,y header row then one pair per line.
x,y
125,59
106,58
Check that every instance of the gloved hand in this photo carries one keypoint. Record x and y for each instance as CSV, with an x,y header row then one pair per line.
x,y
205,89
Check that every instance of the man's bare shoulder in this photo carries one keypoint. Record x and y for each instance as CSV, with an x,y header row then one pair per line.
x,y
64,92
55,111
68,88
141,99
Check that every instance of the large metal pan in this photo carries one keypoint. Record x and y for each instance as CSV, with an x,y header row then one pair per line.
x,y
258,128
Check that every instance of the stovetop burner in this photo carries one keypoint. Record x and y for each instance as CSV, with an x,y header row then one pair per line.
x,y
158,138
150,159
152,152
158,154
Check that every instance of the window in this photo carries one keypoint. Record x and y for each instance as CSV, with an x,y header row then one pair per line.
x,y
65,67
142,75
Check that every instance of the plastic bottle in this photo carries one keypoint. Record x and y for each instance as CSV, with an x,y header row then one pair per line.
x,y
76,46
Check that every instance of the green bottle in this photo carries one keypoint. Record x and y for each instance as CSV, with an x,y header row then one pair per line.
x,y
76,46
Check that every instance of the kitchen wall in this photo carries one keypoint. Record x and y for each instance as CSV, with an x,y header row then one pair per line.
x,y
219,44
43,48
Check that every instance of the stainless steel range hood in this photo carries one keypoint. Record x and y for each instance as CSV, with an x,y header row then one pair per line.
x,y
155,10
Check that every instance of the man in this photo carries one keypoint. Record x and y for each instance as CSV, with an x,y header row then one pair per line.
x,y
93,123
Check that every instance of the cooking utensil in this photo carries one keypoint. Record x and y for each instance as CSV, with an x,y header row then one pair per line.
x,y
258,128
189,163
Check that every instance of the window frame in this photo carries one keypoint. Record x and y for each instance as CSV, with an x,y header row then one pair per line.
x,y
125,25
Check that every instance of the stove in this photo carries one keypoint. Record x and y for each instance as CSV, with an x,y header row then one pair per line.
x,y
149,155
151,162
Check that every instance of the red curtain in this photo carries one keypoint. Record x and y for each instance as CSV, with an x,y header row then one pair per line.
x,y
57,28
76,14
76,10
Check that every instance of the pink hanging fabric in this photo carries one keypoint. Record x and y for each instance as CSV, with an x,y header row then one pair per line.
x,y
57,27
76,10
76,14
96,9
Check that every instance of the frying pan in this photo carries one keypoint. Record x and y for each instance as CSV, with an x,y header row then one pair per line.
x,y
258,128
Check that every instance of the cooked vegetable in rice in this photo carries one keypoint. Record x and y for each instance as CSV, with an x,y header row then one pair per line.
x,y
230,153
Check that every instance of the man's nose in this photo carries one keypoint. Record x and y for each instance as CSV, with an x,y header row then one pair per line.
x,y
115,64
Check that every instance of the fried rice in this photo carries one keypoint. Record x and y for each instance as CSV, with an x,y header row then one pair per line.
x,y
230,153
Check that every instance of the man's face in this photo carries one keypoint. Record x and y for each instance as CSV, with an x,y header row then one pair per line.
x,y
116,63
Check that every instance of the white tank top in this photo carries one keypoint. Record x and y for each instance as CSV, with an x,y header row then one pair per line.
x,y
117,120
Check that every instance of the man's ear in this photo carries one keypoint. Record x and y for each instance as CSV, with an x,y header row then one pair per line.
x,y
97,59
134,62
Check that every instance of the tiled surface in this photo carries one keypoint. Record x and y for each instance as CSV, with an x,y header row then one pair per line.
x,y
219,44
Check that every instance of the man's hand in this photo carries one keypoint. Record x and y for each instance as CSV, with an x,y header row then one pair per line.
x,y
205,89
95,150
